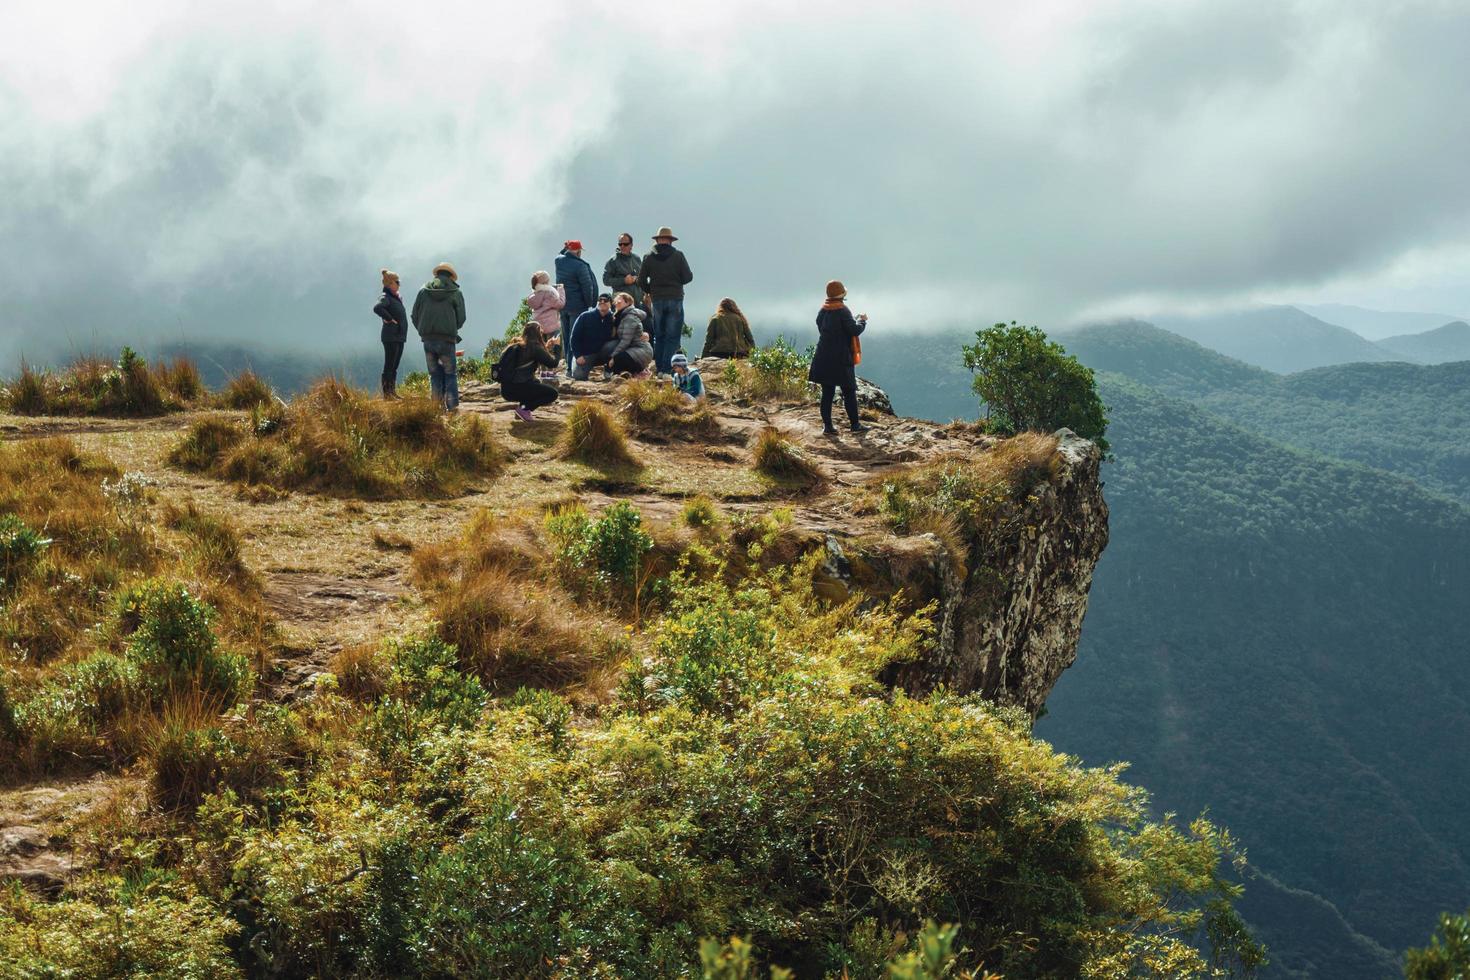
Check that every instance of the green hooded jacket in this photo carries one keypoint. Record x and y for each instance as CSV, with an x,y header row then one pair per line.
x,y
438,312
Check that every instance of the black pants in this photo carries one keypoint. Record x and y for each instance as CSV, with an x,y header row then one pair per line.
x,y
624,362
849,401
392,354
530,394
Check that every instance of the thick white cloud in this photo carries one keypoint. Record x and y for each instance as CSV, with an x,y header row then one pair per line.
x,y
239,171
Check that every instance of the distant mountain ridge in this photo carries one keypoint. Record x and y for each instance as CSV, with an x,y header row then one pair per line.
x,y
1376,325
1450,342
1283,339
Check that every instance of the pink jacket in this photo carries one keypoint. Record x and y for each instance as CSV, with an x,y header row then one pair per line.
x,y
546,301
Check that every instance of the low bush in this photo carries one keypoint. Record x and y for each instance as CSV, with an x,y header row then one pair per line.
x,y
774,373
117,928
700,512
172,642
89,386
778,458
593,436
338,440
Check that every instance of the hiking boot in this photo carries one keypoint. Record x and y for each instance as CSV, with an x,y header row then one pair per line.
x,y
524,414
829,430
859,427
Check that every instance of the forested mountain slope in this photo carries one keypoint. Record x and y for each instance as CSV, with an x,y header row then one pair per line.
x,y
1450,342
1273,634
1405,418
1278,338
1281,638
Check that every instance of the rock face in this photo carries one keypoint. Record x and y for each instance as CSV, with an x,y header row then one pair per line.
x,y
1010,612
1009,608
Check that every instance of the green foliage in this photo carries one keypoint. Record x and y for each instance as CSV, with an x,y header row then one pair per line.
x,y
173,644
20,546
700,512
496,345
601,556
117,928
1032,384
1447,957
775,372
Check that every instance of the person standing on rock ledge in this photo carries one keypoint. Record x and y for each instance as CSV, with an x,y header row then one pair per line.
x,y
438,316
573,273
663,276
837,353
621,272
395,330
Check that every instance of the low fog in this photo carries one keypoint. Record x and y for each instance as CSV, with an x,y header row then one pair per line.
x,y
239,173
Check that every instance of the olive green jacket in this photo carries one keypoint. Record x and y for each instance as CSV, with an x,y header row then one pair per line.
x,y
728,336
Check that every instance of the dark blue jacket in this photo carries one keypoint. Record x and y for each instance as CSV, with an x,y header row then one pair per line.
x,y
390,307
573,272
832,361
590,331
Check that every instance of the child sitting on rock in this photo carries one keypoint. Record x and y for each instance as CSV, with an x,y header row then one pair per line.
x,y
686,379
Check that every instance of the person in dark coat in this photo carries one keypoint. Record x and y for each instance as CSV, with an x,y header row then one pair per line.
x,y
729,332
518,373
832,364
663,276
592,338
394,334
573,272
621,272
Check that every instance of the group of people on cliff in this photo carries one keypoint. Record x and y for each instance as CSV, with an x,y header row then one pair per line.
x,y
633,330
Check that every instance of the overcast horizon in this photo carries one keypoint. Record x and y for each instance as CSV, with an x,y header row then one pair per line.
x,y
239,174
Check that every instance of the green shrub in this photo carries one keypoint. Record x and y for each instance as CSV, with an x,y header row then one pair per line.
x,y
20,546
776,372
1029,383
700,512
117,928
601,556
173,643
1447,957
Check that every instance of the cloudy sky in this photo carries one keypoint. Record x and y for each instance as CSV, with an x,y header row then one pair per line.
x,y
240,171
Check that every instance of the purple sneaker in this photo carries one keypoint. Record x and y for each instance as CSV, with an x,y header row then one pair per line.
x,y
524,414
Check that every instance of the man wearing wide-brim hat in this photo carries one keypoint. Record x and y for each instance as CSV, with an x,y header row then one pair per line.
x,y
438,316
664,275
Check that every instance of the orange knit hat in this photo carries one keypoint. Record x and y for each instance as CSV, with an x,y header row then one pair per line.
x,y
835,289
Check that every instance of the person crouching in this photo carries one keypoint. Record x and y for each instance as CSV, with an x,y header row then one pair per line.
x,y
592,338
632,353
518,372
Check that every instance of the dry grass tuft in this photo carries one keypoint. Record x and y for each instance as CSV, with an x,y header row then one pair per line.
x,y
592,435
495,598
361,671
658,408
961,499
781,460
90,386
78,540
338,440
244,391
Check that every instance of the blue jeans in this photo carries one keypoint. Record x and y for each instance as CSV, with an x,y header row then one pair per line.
x,y
567,319
443,373
668,328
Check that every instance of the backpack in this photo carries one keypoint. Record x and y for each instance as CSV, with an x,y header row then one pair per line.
x,y
501,369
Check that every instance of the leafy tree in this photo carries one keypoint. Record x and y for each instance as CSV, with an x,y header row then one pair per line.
x,y
1447,957
1031,383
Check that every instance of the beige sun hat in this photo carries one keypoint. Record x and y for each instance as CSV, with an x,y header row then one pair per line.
x,y
445,267
665,232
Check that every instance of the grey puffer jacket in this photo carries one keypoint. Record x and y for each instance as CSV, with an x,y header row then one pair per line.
x,y
629,331
618,268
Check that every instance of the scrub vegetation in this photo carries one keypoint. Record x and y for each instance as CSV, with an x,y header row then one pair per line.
x,y
335,439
